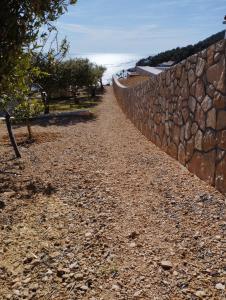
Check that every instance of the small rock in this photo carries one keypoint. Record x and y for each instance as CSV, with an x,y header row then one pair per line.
x,y
137,294
220,286
78,276
166,265
84,288
132,245
200,294
73,266
115,287
88,234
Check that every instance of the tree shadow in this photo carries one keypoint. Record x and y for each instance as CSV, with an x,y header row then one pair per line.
x,y
62,120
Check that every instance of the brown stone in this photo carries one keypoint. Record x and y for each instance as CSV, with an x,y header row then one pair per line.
x,y
194,128
220,46
210,90
206,104
209,140
178,71
220,181
210,55
220,155
176,134
198,140
168,78
219,101
221,85
193,89
221,139
217,57
193,58
203,165
200,117
172,150
200,90
190,149
191,77
211,118
192,104
204,53
187,130
182,133
185,114
185,90
215,72
181,154
221,119
200,67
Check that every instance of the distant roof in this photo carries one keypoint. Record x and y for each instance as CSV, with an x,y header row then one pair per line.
x,y
151,70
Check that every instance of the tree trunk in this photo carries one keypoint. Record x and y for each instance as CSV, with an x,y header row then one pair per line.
x,y
101,85
11,135
29,130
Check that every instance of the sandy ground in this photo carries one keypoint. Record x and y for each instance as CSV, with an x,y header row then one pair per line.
x,y
95,211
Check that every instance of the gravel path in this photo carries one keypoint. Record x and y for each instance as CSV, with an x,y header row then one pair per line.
x,y
100,213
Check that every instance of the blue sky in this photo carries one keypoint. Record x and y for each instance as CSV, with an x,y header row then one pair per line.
x,y
144,27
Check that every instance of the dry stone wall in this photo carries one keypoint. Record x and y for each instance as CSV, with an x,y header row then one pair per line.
x,y
183,111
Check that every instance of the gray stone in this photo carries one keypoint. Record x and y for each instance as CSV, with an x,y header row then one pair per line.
x,y
211,118
166,265
200,67
192,104
191,77
206,104
198,140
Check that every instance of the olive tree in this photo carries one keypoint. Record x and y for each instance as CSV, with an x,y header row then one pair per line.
x,y
21,22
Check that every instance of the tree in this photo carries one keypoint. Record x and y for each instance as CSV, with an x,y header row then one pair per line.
x,y
20,23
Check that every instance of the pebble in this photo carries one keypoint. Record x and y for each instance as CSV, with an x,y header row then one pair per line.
x,y
132,245
166,265
220,286
115,287
200,294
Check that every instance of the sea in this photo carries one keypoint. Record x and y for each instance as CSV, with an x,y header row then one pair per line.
x,y
114,62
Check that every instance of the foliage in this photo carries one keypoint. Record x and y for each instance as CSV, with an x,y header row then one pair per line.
x,y
20,23
178,54
28,109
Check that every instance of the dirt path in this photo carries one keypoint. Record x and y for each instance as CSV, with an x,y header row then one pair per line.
x,y
107,215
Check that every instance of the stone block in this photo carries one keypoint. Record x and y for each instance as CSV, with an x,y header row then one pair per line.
x,y
210,90
203,165
221,120
209,141
190,146
219,101
198,140
215,72
210,55
192,104
211,118
191,76
200,90
185,114
207,103
176,134
200,67
181,154
221,139
187,133
200,117
172,150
